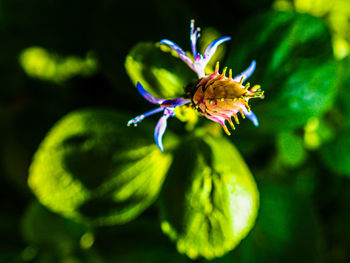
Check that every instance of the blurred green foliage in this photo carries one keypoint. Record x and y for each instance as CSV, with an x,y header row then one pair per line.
x,y
77,185
38,62
335,13
300,80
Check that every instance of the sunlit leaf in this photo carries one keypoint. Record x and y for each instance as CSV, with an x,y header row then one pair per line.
x,y
92,166
210,200
295,67
158,70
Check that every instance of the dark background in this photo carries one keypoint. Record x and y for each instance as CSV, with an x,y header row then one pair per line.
x,y
305,192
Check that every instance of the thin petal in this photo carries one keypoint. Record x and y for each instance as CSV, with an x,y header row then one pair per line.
x,y
179,51
247,73
159,131
148,95
194,37
199,65
139,118
251,116
210,50
175,102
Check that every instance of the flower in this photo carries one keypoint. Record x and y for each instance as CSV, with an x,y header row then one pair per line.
x,y
214,96
219,98
168,108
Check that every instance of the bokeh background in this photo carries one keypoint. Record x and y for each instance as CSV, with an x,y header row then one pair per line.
x,y
60,56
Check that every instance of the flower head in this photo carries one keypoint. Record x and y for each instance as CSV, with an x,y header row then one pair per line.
x,y
214,96
219,98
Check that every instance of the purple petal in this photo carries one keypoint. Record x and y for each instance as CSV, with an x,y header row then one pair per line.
x,y
179,51
175,102
139,118
210,50
159,131
194,37
148,95
199,65
247,73
251,116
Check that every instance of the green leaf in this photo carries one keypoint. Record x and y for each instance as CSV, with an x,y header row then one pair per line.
x,y
158,70
336,153
210,200
92,166
295,67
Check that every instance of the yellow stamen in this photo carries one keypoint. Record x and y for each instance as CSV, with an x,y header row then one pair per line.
x,y
217,67
236,118
231,124
230,74
255,88
222,99
256,94
225,129
224,72
211,102
241,82
247,86
241,111
245,103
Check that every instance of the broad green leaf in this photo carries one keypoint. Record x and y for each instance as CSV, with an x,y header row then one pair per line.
x,y
210,200
295,67
92,166
158,70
